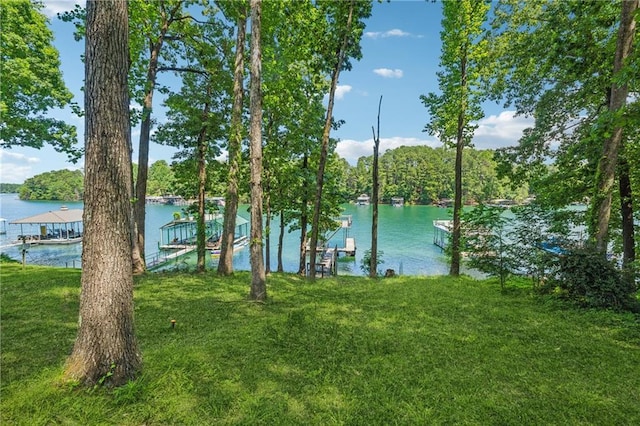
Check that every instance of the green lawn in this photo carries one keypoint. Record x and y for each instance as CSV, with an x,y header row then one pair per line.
x,y
349,350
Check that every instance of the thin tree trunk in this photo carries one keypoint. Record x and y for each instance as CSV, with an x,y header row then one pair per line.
x,y
225,264
304,219
140,190
605,176
281,242
258,279
373,265
105,346
325,145
626,210
267,238
202,184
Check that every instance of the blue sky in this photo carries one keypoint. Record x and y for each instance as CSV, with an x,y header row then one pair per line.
x,y
401,53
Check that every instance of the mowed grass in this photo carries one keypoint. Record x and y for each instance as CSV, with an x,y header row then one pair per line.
x,y
340,351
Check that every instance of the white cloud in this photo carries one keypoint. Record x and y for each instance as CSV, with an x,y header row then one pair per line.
x,y
384,34
389,73
16,168
351,150
498,131
53,7
342,90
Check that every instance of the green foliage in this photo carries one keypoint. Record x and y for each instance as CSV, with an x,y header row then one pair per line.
x,y
484,236
10,188
413,350
365,263
424,175
62,185
591,280
160,179
31,83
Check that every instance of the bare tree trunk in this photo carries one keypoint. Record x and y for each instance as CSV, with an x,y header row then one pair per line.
x,y
105,346
325,145
281,242
258,279
225,264
373,260
605,176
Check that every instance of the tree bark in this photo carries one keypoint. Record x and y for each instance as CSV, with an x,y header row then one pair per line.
x,y
201,235
626,210
105,350
605,176
325,145
225,264
258,280
373,265
304,219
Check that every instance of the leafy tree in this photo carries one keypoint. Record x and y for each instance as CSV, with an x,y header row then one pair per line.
x,y
237,11
63,185
10,188
485,237
161,179
31,83
457,108
106,351
341,43
555,60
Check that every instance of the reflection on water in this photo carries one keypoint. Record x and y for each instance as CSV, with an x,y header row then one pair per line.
x,y
405,238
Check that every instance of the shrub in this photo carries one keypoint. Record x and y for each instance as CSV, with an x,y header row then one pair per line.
x,y
590,279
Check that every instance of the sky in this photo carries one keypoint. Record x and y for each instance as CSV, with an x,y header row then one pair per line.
x,y
401,55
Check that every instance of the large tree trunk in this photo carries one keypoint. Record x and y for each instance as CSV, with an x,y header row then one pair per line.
x,y
605,176
105,346
324,149
258,279
225,264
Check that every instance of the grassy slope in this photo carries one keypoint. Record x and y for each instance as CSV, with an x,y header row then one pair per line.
x,y
349,350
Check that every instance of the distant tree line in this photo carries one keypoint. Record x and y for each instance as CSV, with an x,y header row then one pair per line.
x,y
10,188
425,175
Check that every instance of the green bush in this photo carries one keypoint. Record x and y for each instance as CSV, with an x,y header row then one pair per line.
x,y
590,279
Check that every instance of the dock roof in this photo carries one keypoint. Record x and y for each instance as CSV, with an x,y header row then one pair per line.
x,y
58,216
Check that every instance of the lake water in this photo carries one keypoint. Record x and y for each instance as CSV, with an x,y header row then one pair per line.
x,y
405,236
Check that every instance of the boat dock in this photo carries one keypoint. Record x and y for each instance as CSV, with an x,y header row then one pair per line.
x,y
441,232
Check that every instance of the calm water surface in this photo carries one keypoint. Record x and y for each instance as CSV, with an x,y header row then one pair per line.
x,y
405,236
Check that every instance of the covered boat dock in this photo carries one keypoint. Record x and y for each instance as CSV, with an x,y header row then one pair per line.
x,y
62,226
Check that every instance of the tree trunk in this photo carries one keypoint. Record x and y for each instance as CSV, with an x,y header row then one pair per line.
x,y
325,145
267,237
626,210
281,242
105,350
225,264
201,235
258,280
605,176
304,220
373,265
140,190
